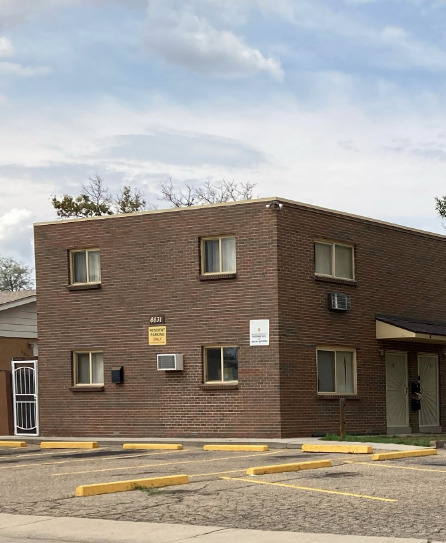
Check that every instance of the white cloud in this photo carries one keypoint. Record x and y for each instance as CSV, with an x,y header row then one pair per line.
x,y
6,48
14,68
16,235
183,38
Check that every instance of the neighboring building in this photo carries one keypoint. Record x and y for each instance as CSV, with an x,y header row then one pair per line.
x,y
18,340
18,326
278,309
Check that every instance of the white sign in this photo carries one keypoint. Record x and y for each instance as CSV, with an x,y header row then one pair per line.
x,y
259,332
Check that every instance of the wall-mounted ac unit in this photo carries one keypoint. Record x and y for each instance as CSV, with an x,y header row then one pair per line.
x,y
337,301
169,362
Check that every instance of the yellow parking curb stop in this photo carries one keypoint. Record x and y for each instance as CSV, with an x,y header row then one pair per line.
x,y
124,486
153,446
259,448
403,454
69,445
349,449
280,468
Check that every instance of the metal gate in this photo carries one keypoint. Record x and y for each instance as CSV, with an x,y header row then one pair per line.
x,y
24,392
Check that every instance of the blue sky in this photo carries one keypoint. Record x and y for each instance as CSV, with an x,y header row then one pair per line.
x,y
336,103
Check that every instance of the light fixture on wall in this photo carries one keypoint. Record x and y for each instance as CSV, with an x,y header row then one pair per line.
x,y
381,352
275,204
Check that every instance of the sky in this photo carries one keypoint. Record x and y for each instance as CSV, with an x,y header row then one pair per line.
x,y
336,103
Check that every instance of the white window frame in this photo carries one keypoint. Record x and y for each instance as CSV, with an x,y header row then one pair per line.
x,y
333,245
86,251
90,360
203,254
335,350
222,380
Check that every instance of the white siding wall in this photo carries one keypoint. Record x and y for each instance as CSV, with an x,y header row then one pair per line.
x,y
19,321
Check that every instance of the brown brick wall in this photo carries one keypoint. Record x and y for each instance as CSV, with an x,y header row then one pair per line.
x,y
398,272
151,265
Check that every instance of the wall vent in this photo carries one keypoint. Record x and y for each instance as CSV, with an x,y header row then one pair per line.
x,y
169,362
337,301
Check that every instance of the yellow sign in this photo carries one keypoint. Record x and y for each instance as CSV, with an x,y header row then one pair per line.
x,y
157,335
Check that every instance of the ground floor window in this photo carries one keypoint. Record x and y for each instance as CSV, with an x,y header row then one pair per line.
x,y
220,364
336,371
88,368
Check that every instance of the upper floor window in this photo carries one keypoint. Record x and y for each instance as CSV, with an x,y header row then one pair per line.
x,y
218,255
336,371
220,364
334,260
88,368
85,266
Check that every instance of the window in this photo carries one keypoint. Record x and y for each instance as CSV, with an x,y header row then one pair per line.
x,y
220,364
88,368
333,260
336,371
218,255
85,266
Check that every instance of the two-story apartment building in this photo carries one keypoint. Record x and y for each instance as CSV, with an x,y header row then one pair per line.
x,y
268,310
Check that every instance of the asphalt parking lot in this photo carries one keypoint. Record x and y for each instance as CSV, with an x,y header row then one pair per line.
x,y
400,498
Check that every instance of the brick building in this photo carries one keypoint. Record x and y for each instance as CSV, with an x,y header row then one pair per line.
x,y
278,309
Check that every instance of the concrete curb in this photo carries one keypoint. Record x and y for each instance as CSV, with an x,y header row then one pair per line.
x,y
80,530
15,444
349,449
297,466
153,446
69,445
256,448
403,454
124,486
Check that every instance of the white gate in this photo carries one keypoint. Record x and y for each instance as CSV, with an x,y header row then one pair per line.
x,y
24,391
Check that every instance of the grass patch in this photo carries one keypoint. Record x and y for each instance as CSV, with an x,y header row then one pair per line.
x,y
147,489
417,441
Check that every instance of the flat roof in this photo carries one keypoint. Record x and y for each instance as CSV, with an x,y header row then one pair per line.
x,y
270,199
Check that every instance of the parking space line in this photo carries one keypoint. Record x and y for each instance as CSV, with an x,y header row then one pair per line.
x,y
201,461
18,466
38,453
311,489
392,466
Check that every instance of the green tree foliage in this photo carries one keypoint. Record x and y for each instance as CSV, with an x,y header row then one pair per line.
x,y
440,206
95,200
14,275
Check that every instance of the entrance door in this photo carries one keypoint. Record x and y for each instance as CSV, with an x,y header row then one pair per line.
x,y
24,391
429,412
397,398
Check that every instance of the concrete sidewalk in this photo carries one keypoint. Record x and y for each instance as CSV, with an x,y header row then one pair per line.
x,y
279,443
81,530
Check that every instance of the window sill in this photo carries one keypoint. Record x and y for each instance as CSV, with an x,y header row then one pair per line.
x,y
217,386
218,276
338,396
87,388
336,280
84,286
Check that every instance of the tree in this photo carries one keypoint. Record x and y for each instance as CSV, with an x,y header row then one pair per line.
x,y
14,275
440,206
207,193
96,200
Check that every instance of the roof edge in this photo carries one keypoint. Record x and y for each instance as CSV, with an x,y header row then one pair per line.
x,y
296,203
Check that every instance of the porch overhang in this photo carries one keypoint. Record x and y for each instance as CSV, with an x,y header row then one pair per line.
x,y
407,329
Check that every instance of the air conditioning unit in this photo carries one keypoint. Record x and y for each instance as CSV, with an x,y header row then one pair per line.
x,y
337,301
169,362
